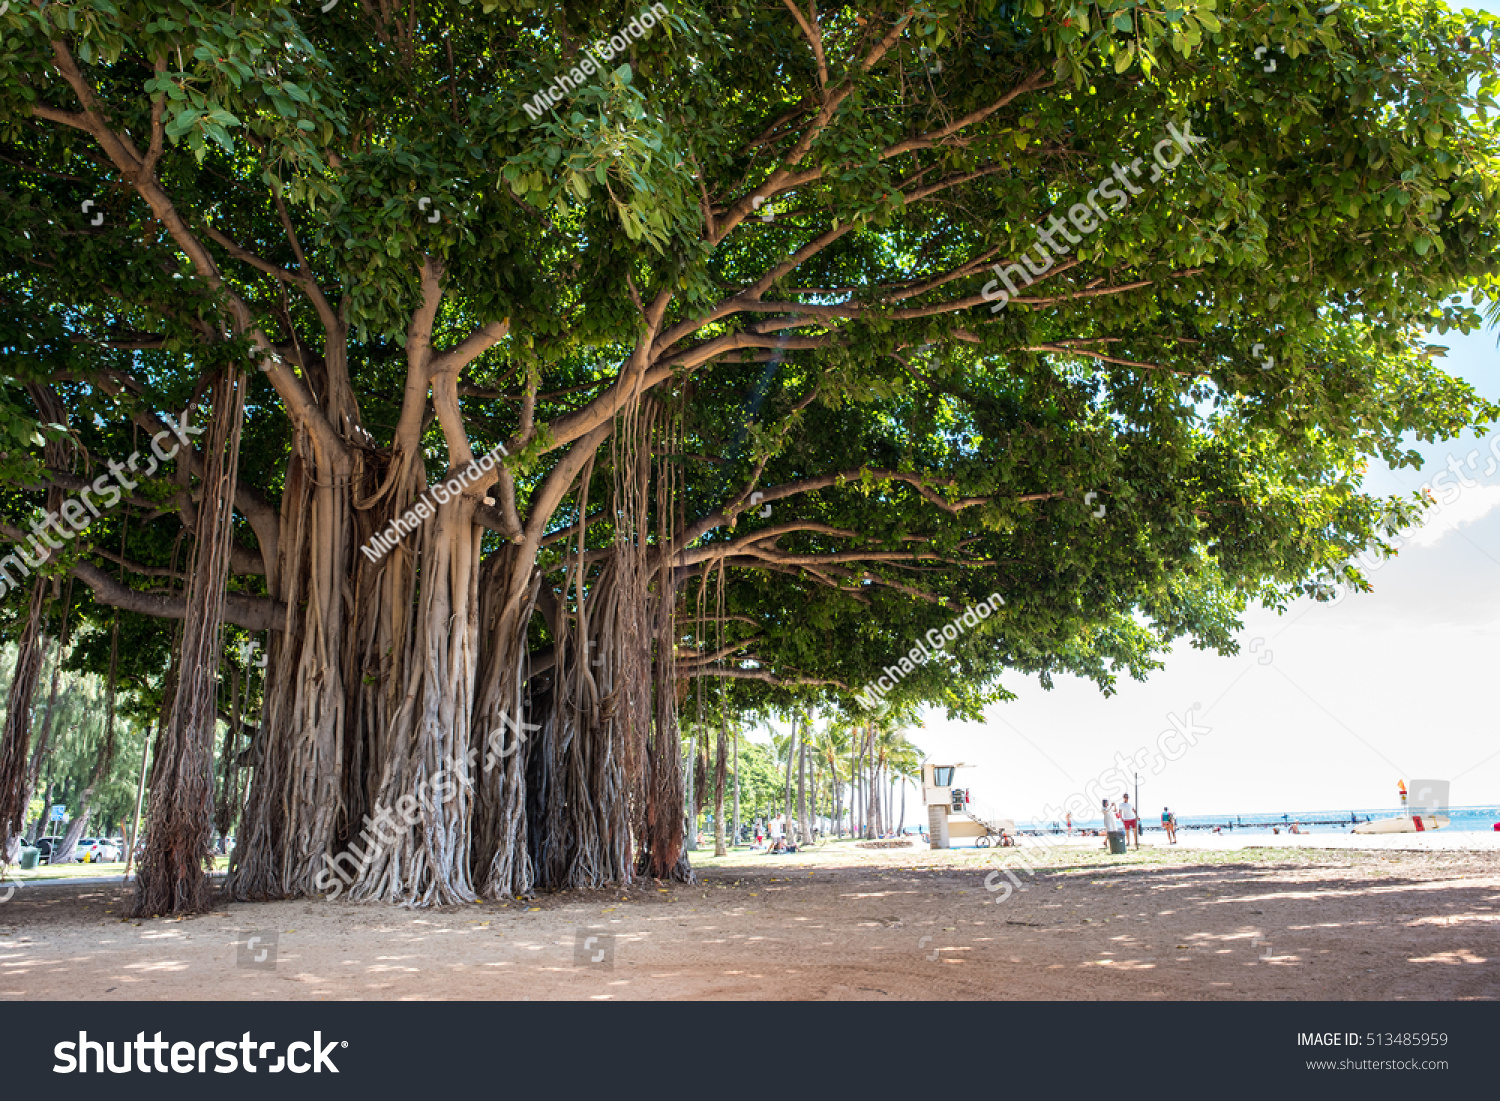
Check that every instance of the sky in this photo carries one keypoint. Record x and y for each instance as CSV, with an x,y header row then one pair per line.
x,y
1325,708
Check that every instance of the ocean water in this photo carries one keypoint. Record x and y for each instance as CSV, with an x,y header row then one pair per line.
x,y
1463,819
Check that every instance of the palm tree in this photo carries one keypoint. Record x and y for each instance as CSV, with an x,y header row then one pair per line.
x,y
829,746
888,750
905,762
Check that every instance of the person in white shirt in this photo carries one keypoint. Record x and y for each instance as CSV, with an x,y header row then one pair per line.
x,y
1127,817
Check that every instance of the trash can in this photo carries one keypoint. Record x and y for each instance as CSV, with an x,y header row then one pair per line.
x,y
29,858
1116,842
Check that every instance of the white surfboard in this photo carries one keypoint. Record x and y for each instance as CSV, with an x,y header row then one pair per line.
x,y
1416,823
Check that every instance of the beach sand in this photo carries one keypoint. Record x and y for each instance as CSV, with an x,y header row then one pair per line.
x,y
1207,840
1193,921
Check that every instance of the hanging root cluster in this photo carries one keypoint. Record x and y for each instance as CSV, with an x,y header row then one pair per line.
x,y
172,877
451,725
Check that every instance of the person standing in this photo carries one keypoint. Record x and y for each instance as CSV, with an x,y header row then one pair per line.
x,y
1070,823
1169,823
1127,817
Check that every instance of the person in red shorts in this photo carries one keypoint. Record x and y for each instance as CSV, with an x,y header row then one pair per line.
x,y
1127,816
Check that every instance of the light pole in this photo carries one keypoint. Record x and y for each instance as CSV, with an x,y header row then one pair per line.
x,y
1140,815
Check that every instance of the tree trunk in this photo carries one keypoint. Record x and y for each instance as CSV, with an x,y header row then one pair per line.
x,y
132,835
298,796
63,852
812,806
18,772
664,851
791,757
102,761
49,714
172,879
837,797
802,824
35,831
414,749
721,766
736,839
855,809
691,812
15,764
859,787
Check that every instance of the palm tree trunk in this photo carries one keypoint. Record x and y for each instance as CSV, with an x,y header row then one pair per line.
x,y
836,825
867,784
856,805
803,834
791,752
812,767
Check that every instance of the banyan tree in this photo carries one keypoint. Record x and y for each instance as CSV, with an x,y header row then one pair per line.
x,y
504,422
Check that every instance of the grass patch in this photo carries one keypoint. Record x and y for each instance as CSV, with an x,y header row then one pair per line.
x,y
83,871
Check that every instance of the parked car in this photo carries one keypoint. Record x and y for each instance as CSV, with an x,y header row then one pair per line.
x,y
55,850
97,850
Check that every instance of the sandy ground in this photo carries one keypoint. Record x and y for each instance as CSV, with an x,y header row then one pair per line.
x,y
1189,922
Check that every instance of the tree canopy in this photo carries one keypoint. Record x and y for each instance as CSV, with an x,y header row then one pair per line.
x,y
733,308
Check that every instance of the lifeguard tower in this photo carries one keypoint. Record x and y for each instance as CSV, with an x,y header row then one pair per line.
x,y
948,814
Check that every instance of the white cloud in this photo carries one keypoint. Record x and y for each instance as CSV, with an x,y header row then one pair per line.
x,y
1472,504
